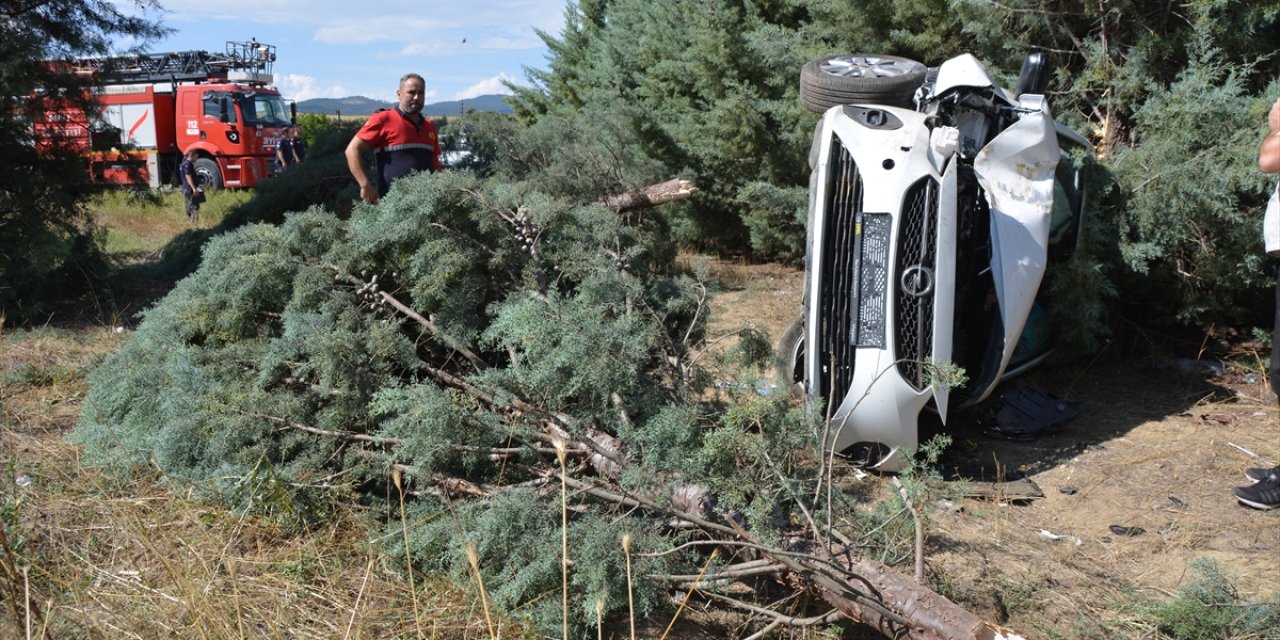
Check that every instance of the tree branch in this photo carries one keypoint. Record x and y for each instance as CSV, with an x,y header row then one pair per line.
x,y
650,196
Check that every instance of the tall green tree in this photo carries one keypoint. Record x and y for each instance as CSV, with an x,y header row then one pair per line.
x,y
43,224
708,88
1111,56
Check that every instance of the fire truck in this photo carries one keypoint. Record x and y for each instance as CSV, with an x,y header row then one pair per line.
x,y
152,108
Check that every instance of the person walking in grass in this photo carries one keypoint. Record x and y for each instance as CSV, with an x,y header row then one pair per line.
x,y
191,191
1264,493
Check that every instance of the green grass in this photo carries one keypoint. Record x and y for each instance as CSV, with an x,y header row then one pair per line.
x,y
139,224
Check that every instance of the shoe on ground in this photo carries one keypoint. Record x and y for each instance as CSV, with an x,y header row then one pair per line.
x,y
1258,474
1261,495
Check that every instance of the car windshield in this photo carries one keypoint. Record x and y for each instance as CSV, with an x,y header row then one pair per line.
x,y
264,109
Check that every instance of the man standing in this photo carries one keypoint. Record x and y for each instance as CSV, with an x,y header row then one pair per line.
x,y
290,150
191,191
296,146
284,150
402,141
1264,493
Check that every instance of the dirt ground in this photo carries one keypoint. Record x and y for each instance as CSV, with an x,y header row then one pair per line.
x,y
1156,449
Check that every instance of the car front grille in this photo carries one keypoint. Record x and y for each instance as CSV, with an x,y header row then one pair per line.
x,y
855,271
916,279
855,278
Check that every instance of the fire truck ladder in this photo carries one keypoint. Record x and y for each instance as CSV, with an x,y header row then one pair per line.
x,y
253,60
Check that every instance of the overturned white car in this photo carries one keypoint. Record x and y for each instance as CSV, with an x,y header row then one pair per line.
x,y
937,202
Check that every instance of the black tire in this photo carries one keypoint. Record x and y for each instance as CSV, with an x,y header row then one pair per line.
x,y
208,177
790,364
859,78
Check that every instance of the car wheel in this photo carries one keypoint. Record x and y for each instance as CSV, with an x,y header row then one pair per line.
x,y
208,177
790,364
859,78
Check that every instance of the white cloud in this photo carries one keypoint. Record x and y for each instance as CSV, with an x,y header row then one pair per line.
x,y
427,49
487,86
299,87
531,42
387,28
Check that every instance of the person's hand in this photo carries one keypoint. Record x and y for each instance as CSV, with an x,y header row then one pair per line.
x,y
369,193
1273,118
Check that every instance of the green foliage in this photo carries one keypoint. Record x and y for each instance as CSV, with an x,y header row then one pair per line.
x,y
516,538
279,376
775,217
1210,607
487,136
1192,235
705,89
1082,288
314,126
48,244
1108,56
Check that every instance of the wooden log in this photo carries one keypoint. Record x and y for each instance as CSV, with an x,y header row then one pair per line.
x,y
651,196
920,613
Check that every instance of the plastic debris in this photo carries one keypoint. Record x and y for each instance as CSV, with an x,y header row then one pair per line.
x,y
1127,531
948,506
1025,412
1210,368
24,481
1048,535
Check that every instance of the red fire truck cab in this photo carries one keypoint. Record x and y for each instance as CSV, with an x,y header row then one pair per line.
x,y
152,108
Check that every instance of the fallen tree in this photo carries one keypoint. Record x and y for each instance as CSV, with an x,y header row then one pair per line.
x,y
506,369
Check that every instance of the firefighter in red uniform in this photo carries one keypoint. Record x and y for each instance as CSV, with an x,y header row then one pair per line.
x,y
402,141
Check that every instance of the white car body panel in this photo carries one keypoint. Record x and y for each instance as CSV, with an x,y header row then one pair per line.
x,y
965,71
1016,171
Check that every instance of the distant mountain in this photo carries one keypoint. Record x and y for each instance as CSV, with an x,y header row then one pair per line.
x,y
362,106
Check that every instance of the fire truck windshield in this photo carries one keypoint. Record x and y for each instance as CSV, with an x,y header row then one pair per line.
x,y
265,109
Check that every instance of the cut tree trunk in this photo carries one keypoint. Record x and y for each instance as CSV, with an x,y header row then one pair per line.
x,y
651,196
924,615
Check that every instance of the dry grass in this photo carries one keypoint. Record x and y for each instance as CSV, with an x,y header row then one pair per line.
x,y
91,556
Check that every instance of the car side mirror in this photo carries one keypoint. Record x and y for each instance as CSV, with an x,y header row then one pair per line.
x,y
1034,75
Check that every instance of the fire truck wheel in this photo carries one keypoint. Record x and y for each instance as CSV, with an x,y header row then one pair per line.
x,y
207,175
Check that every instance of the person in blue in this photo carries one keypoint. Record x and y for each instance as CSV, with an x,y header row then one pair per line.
x,y
284,152
191,191
290,151
296,144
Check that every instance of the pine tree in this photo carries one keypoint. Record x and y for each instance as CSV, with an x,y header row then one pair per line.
x,y
42,195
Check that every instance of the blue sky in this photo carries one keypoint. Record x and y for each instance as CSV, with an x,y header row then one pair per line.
x,y
335,49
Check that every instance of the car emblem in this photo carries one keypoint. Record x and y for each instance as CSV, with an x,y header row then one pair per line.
x,y
917,281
